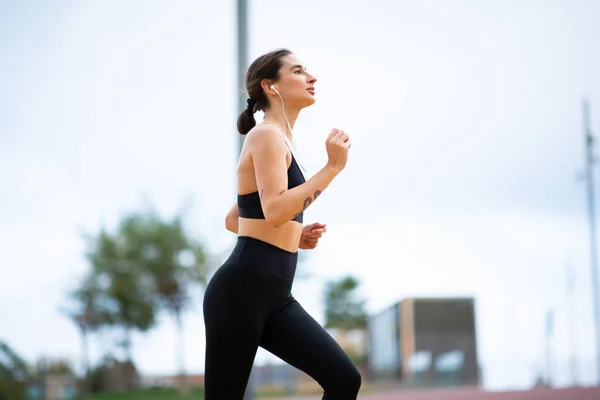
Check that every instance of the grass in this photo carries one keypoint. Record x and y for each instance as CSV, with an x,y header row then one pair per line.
x,y
151,394
171,394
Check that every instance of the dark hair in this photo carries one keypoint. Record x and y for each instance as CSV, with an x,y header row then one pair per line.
x,y
264,67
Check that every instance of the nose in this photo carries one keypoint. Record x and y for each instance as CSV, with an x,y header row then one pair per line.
x,y
311,79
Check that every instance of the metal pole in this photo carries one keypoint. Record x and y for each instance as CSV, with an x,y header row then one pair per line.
x,y
571,318
242,59
589,142
549,333
242,62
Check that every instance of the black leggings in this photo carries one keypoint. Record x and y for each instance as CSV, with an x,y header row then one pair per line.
x,y
248,303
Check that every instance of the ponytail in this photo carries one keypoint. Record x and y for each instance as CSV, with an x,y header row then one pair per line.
x,y
246,121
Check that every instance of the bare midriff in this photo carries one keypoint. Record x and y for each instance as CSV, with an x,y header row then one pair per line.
x,y
286,237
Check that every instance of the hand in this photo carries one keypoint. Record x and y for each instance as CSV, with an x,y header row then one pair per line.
x,y
311,235
337,145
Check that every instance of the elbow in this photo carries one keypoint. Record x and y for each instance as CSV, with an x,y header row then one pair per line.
x,y
231,223
275,213
274,218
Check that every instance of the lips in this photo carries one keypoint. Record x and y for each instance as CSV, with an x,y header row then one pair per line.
x,y
311,90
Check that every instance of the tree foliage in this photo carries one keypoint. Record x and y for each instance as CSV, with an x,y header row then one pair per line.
x,y
343,308
13,374
148,264
125,298
174,263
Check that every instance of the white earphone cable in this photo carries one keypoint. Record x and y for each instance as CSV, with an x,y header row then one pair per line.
x,y
292,148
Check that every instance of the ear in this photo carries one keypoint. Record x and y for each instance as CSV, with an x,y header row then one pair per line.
x,y
266,86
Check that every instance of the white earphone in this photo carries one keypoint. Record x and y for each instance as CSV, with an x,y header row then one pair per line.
x,y
293,146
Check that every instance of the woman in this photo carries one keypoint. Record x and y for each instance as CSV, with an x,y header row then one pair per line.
x,y
248,302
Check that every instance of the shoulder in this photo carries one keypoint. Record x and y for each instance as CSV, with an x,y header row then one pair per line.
x,y
265,132
266,136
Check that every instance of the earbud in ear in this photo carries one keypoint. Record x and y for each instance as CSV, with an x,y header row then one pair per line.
x,y
272,87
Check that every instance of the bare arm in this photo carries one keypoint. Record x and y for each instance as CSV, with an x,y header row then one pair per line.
x,y
294,201
232,219
280,204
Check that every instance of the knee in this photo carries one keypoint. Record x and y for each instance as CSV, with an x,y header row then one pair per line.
x,y
353,382
346,386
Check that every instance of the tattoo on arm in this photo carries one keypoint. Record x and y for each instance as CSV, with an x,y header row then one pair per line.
x,y
308,201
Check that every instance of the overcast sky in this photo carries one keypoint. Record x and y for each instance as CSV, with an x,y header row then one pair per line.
x,y
465,118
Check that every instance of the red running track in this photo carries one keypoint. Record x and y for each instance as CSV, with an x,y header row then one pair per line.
x,y
592,393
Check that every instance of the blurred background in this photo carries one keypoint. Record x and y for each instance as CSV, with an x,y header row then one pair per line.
x,y
460,244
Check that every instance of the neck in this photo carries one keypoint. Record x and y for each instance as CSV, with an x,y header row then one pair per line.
x,y
275,115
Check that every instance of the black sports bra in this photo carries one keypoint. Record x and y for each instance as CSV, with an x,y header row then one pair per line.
x,y
249,204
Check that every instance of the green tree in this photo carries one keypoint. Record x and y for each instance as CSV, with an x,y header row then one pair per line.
x,y
345,312
84,311
126,299
343,308
13,374
176,263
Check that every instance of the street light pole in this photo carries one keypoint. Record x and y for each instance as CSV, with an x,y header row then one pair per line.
x,y
242,59
242,62
589,176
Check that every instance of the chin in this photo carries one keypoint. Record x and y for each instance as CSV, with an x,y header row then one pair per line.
x,y
305,101
310,101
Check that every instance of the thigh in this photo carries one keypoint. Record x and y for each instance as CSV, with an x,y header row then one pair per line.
x,y
233,328
228,363
298,339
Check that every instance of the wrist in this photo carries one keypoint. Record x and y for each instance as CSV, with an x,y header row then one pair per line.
x,y
332,169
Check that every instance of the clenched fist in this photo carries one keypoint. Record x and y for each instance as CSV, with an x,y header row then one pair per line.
x,y
337,145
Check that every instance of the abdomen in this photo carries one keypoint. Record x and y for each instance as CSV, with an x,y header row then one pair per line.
x,y
286,236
